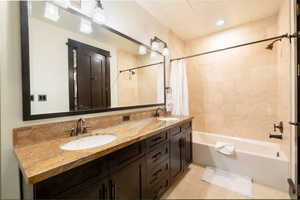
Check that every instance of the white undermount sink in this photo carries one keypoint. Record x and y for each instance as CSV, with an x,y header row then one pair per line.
x,y
168,119
88,142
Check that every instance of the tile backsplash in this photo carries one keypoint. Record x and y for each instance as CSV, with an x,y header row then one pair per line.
x,y
39,133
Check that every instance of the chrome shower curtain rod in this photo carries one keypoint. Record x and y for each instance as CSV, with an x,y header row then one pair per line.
x,y
130,69
236,46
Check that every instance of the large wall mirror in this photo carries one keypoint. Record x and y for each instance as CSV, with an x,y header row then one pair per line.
x,y
69,69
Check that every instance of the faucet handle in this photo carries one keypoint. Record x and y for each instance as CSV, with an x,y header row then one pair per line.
x,y
85,128
274,127
71,131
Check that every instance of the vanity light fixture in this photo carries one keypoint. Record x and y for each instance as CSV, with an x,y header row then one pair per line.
x,y
98,15
165,51
51,12
86,26
156,44
153,54
142,50
63,3
220,22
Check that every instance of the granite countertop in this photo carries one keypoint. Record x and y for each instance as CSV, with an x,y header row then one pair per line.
x,y
43,160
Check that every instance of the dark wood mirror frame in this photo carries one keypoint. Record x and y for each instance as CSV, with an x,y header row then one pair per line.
x,y
26,73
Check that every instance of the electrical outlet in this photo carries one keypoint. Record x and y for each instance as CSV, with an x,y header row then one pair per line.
x,y
126,117
42,97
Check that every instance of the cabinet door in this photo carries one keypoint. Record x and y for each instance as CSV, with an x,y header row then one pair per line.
x,y
129,182
188,146
93,189
175,154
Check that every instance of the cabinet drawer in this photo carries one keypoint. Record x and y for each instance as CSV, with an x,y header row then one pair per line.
x,y
187,125
155,140
60,183
156,174
158,190
174,131
159,154
126,155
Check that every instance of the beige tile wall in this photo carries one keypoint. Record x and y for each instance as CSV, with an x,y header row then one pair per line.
x,y
283,71
127,84
238,92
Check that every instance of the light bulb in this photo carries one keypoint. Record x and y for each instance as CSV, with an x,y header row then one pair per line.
x,y
98,16
51,12
87,7
153,54
63,3
155,46
165,51
142,50
220,22
86,26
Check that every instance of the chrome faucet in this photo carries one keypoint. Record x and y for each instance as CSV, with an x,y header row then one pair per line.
x,y
80,128
157,111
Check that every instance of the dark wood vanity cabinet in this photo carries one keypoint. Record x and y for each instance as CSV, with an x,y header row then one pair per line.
x,y
180,149
95,188
129,182
143,170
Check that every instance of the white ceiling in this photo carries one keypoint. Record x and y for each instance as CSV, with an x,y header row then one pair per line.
x,y
193,18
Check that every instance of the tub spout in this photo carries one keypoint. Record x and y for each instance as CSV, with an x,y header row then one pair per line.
x,y
275,136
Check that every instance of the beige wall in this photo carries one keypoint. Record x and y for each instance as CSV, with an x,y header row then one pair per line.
x,y
293,144
235,92
127,83
284,71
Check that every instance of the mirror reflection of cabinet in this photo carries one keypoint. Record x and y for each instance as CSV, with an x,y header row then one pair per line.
x,y
89,79
103,70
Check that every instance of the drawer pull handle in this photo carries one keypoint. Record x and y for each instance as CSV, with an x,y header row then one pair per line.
x,y
157,172
153,180
156,139
156,155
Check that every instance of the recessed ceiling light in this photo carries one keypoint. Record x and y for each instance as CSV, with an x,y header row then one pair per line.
x,y
220,22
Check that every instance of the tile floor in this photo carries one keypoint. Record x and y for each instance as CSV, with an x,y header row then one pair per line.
x,y
190,186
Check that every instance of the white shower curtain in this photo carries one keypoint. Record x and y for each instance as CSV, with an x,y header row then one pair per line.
x,y
179,89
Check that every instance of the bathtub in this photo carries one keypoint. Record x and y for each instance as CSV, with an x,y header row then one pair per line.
x,y
263,161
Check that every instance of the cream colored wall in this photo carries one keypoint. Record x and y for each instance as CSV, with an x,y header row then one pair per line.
x,y
235,92
293,149
123,16
127,83
147,86
284,71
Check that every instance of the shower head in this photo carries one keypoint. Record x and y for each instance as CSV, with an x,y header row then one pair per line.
x,y
271,46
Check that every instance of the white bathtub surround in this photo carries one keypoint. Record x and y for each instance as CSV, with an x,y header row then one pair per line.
x,y
225,148
252,158
228,180
179,88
